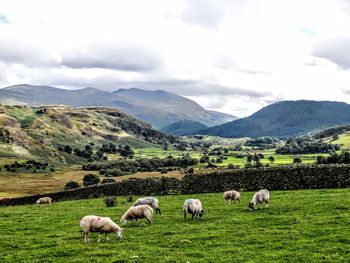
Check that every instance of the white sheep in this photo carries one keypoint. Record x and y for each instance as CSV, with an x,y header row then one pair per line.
x,y
193,207
259,198
44,200
232,196
92,223
136,212
151,201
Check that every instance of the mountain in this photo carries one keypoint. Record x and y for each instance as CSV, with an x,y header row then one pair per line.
x,y
223,117
39,132
160,108
182,128
173,108
286,118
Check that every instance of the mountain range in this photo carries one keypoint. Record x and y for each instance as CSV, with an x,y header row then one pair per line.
x,y
159,108
285,118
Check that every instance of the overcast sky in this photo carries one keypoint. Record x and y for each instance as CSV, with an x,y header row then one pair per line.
x,y
233,56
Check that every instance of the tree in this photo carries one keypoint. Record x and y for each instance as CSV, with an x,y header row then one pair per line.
x,y
71,185
249,158
297,160
68,149
90,179
271,159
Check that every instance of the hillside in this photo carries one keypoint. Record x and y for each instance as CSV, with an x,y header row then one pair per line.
x,y
286,118
333,131
40,131
159,108
182,128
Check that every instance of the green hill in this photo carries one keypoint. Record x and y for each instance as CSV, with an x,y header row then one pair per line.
x,y
40,131
286,118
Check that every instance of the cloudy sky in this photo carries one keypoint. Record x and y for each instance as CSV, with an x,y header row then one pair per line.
x,y
234,56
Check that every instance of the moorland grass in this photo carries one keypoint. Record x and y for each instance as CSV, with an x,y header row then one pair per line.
x,y
299,226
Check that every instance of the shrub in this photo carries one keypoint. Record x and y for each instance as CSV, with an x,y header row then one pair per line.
x,y
297,160
90,179
190,171
107,181
71,185
114,172
231,166
68,149
110,201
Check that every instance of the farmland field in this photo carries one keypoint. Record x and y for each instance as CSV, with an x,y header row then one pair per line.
x,y
299,226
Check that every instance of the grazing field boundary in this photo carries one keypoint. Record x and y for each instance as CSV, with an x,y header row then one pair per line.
x,y
272,178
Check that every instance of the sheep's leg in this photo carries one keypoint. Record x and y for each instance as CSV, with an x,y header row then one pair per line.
x,y
85,238
149,220
107,238
267,204
99,238
185,216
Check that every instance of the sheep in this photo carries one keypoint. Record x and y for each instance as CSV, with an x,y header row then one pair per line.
x,y
44,200
193,207
92,223
136,212
259,198
232,195
151,201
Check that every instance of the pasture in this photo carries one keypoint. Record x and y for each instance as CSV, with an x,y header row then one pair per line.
x,y
299,226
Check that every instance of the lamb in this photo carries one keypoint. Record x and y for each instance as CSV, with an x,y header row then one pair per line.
x,y
136,212
232,195
193,207
44,200
151,201
259,198
92,223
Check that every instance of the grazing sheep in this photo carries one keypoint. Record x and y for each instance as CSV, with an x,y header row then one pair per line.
x,y
232,196
99,224
44,200
136,212
193,207
259,198
151,201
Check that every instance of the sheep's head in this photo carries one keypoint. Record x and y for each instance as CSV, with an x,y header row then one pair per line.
x,y
201,213
123,222
251,206
119,233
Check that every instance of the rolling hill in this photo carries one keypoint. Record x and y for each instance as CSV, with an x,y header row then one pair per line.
x,y
160,108
182,128
41,131
286,118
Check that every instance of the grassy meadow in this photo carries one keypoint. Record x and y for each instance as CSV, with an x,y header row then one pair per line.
x,y
25,182
299,226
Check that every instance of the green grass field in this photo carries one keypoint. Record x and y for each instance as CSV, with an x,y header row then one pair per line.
x,y
344,140
299,226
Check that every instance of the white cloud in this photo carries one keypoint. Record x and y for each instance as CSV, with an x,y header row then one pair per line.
x,y
234,56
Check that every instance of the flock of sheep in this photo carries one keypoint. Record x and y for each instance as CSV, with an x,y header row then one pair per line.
x,y
143,208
